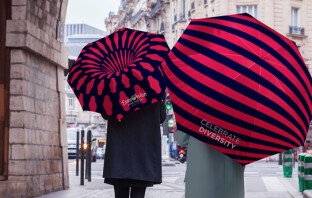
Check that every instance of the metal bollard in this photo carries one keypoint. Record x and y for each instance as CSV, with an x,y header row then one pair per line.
x,y
82,158
89,155
301,171
307,172
287,163
77,153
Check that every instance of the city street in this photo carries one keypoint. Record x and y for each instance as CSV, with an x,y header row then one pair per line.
x,y
262,180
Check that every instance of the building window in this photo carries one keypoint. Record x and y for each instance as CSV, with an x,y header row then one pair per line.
x,y
183,10
70,102
295,17
294,27
250,9
162,27
71,118
193,5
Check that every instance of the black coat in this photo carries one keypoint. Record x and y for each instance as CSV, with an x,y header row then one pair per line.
x,y
133,146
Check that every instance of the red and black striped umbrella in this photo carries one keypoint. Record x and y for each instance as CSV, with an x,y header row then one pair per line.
x,y
120,73
240,87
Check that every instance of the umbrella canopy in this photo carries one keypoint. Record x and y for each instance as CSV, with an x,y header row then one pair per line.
x,y
239,86
119,73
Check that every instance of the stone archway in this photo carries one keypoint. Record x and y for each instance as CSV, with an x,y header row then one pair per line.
x,y
36,153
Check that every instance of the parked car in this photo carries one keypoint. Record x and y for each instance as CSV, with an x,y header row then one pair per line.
x,y
71,142
99,153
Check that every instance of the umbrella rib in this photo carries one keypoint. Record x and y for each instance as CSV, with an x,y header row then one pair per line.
x,y
118,60
128,58
121,59
112,65
131,58
141,48
116,64
125,58
107,66
140,44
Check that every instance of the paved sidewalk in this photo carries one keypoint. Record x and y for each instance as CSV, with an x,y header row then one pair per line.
x,y
265,180
262,180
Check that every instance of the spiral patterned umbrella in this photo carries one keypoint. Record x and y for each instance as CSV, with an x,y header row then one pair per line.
x,y
119,73
239,86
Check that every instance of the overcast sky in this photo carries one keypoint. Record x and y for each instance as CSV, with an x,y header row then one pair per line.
x,y
91,12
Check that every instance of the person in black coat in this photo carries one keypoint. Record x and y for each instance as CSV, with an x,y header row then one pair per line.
x,y
133,151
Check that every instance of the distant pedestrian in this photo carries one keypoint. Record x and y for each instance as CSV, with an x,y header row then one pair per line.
x,y
210,173
133,151
173,149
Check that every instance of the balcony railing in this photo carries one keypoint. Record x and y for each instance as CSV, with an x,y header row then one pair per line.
x,y
296,30
182,17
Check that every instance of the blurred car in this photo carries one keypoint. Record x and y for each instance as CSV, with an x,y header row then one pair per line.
x,y
100,153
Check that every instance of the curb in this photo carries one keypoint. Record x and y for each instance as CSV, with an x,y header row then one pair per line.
x,y
168,164
307,194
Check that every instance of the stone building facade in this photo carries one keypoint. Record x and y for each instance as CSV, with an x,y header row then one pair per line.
x,y
159,18
34,122
292,18
151,16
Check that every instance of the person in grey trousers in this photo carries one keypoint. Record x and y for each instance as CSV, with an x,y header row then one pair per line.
x,y
133,151
210,173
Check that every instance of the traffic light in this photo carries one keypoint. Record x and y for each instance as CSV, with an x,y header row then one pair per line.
x,y
165,124
168,103
170,123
